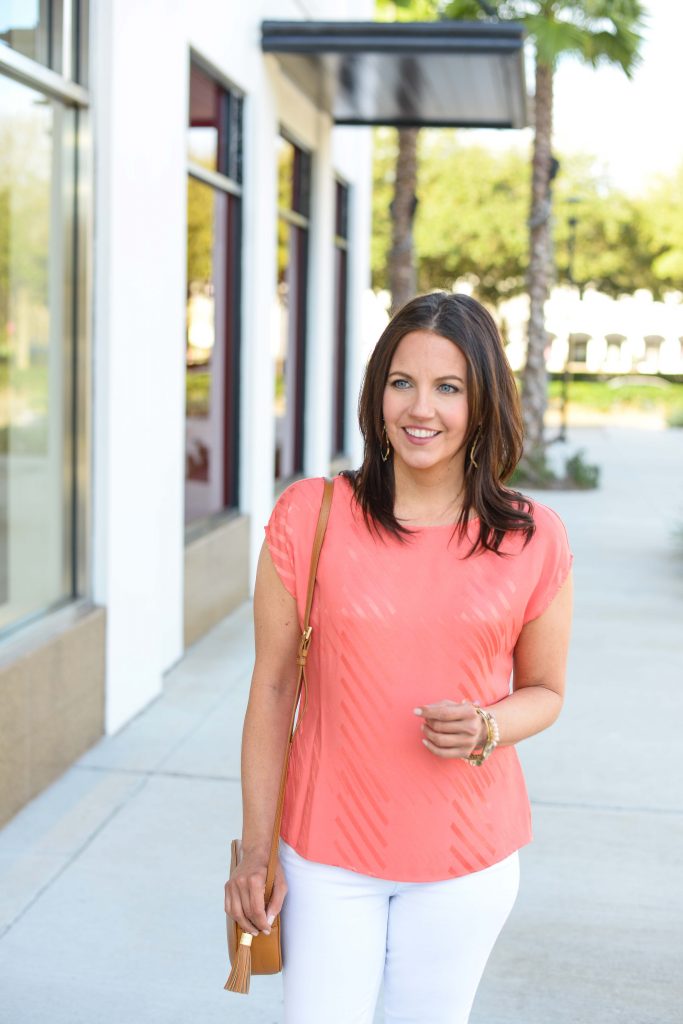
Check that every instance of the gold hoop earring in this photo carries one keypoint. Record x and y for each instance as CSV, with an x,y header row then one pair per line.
x,y
385,455
474,448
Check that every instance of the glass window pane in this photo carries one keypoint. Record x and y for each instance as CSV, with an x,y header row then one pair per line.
x,y
233,158
302,182
215,126
207,321
342,210
37,176
33,28
289,353
285,173
339,394
203,131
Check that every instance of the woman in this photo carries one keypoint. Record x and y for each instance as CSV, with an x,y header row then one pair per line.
x,y
405,804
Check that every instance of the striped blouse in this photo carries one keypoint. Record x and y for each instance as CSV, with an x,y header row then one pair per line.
x,y
396,626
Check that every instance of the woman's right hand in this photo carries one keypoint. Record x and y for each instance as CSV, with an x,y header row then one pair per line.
x,y
245,893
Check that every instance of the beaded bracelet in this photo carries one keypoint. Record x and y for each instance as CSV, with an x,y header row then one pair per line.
x,y
492,738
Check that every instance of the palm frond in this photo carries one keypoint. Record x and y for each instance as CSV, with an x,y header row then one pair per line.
x,y
553,38
464,10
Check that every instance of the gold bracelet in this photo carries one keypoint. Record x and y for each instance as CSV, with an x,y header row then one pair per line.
x,y
492,738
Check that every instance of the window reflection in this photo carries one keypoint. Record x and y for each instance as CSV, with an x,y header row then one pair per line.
x,y
202,134
290,348
340,317
207,233
20,28
214,135
37,176
213,300
285,173
33,28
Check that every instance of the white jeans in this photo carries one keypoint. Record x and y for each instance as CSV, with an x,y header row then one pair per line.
x,y
343,933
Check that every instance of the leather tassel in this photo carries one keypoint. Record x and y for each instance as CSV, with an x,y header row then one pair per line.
x,y
240,975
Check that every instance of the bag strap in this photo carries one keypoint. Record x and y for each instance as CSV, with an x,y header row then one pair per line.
x,y
304,644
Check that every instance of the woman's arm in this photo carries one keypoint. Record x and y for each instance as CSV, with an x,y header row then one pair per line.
x,y
539,663
269,710
539,667
264,738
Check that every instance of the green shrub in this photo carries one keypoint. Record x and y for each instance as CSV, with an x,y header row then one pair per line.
x,y
674,417
583,474
534,471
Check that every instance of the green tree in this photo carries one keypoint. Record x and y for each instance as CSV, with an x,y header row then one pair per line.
x,y
661,213
403,205
611,250
470,218
595,31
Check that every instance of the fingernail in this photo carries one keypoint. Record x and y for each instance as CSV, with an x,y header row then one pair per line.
x,y
266,931
271,918
417,711
425,743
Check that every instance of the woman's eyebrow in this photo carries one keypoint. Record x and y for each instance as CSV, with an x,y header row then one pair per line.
x,y
449,376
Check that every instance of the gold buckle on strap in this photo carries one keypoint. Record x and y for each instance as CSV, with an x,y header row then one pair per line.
x,y
304,644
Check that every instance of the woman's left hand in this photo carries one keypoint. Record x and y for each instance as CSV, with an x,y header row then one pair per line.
x,y
452,729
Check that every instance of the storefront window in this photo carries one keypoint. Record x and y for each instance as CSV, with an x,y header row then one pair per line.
x,y
38,29
341,254
37,272
213,257
294,166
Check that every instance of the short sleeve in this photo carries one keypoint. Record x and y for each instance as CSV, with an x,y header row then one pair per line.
x,y
551,563
290,531
278,538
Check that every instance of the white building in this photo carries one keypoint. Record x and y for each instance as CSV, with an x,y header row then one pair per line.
x,y
184,260
599,334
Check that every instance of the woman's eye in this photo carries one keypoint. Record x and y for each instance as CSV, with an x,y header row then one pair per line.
x,y
450,389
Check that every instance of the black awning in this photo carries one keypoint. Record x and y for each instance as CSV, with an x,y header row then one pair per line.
x,y
438,73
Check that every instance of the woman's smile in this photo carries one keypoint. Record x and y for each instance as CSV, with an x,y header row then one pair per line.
x,y
418,435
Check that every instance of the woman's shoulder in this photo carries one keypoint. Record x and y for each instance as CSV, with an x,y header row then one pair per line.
x,y
549,527
545,517
304,490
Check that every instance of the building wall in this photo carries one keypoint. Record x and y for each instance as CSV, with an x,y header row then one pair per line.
x,y
140,103
51,704
616,332
148,591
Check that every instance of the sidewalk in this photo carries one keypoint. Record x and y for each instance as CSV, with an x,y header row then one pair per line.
x,y
111,882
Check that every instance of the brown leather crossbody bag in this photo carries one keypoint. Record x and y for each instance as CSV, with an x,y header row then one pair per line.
x,y
262,954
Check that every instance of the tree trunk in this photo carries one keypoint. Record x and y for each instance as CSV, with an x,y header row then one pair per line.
x,y
534,377
402,271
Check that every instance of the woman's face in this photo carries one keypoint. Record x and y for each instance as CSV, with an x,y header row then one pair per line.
x,y
425,401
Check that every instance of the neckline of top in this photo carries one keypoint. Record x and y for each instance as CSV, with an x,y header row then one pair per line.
x,y
420,529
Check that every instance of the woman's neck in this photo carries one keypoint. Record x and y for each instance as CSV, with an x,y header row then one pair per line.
x,y
427,499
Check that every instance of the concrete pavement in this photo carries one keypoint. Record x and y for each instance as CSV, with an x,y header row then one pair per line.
x,y
111,882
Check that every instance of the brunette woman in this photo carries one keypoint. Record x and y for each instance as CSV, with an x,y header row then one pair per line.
x,y
441,623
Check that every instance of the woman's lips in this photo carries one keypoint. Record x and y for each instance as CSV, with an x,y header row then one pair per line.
x,y
420,440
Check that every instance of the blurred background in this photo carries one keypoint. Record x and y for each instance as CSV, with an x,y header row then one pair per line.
x,y
208,212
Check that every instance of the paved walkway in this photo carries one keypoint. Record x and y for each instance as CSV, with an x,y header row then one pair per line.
x,y
111,882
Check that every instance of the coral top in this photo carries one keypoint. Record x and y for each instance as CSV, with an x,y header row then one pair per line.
x,y
396,626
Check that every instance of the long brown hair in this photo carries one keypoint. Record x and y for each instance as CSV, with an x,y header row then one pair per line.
x,y
494,420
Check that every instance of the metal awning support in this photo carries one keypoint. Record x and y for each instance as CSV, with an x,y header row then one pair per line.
x,y
424,74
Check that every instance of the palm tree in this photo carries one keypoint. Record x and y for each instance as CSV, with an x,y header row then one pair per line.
x,y
401,256
596,31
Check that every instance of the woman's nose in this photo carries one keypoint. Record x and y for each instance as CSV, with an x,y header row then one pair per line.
x,y
422,404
